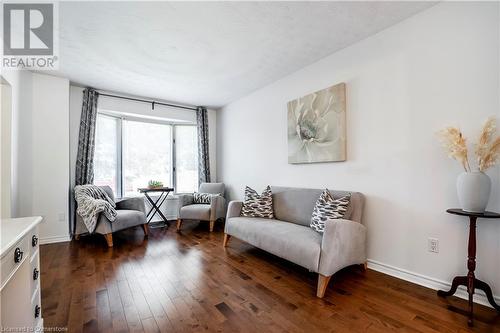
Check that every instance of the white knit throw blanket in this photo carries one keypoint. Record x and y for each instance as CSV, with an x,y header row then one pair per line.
x,y
91,201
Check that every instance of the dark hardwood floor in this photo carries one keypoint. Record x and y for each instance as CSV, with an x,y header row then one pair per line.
x,y
187,282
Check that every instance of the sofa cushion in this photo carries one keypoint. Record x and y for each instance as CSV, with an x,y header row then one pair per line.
x,y
196,212
328,208
125,219
296,205
256,205
290,241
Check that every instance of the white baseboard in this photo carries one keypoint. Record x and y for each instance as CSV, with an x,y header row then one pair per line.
x,y
432,283
54,239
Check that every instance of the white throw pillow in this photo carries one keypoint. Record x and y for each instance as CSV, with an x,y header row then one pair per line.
x,y
256,205
328,208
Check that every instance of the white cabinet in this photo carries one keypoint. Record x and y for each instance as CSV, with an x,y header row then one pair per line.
x,y
20,274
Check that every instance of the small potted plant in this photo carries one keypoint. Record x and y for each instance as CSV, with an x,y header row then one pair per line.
x,y
473,186
152,184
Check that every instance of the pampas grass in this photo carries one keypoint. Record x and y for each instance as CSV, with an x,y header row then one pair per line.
x,y
456,146
491,156
487,152
487,149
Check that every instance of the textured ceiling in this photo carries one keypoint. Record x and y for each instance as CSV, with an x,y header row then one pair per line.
x,y
208,53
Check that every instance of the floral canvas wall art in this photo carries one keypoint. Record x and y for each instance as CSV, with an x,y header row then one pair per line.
x,y
317,126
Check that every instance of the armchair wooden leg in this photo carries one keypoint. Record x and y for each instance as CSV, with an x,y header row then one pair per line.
x,y
179,223
109,239
212,223
77,237
226,240
146,229
322,284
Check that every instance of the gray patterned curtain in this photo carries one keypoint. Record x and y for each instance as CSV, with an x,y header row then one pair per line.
x,y
203,158
86,140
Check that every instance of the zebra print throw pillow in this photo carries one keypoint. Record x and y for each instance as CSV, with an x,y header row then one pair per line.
x,y
328,208
256,205
203,198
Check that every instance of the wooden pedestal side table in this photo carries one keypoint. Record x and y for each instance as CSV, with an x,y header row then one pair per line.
x,y
470,280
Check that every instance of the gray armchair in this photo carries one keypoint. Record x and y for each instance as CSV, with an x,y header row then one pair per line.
x,y
188,210
130,213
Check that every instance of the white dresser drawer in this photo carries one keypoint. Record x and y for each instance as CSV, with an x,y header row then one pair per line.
x,y
35,272
15,299
13,259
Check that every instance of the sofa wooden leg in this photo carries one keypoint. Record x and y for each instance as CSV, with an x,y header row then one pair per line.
x,y
109,239
212,223
226,240
179,223
322,284
145,227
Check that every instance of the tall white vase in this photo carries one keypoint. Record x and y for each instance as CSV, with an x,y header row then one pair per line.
x,y
474,190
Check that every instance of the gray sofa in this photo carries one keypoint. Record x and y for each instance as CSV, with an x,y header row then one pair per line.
x,y
290,237
188,210
130,212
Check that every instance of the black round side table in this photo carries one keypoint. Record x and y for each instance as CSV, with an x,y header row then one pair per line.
x,y
470,280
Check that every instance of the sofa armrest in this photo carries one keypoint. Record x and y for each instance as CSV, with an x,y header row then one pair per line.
x,y
234,209
135,203
217,207
343,244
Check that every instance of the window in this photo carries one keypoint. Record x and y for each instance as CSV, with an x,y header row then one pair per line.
x,y
186,159
129,153
147,155
106,152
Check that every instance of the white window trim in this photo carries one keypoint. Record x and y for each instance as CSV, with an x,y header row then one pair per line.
x,y
119,143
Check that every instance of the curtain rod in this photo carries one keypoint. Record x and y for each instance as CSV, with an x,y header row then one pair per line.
x,y
149,102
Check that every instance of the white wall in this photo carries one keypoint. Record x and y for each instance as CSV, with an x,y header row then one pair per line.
x,y
21,122
50,149
438,68
40,150
5,149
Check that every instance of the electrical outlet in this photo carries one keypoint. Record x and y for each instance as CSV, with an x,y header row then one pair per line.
x,y
433,245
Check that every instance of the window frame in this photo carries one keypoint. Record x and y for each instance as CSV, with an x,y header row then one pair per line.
x,y
119,148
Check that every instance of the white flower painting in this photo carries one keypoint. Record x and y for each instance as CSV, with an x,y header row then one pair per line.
x,y
317,126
